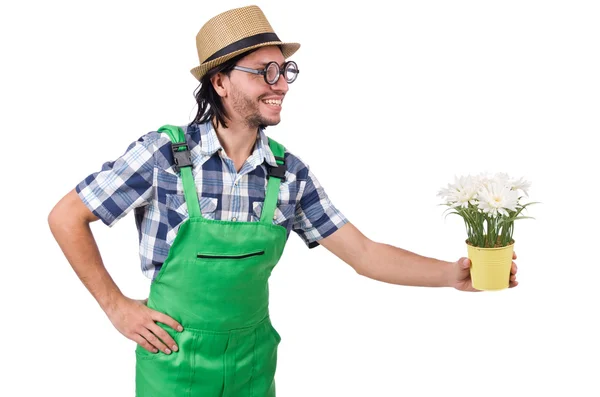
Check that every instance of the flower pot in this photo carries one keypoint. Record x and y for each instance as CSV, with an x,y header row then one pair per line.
x,y
490,267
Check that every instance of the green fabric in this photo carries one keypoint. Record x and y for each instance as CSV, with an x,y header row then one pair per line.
x,y
215,283
191,196
272,187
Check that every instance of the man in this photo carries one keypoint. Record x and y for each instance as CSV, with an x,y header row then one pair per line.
x,y
214,203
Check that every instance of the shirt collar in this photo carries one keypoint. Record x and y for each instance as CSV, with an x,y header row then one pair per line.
x,y
209,144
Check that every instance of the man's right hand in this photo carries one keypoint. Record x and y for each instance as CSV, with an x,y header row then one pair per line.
x,y
69,223
137,322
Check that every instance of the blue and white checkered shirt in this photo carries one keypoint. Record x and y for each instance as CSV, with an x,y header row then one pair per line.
x,y
143,180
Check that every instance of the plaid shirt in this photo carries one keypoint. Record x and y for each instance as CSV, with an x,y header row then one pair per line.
x,y
143,180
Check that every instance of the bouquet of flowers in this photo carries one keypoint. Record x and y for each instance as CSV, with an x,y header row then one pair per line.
x,y
489,207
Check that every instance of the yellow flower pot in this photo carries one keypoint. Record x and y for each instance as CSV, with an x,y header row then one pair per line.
x,y
490,267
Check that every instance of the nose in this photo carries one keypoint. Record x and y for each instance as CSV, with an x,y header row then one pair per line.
x,y
281,85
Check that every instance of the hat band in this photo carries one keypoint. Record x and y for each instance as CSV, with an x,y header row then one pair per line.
x,y
244,43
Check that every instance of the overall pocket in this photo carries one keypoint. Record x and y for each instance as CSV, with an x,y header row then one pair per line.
x,y
230,256
143,354
265,362
275,333
159,374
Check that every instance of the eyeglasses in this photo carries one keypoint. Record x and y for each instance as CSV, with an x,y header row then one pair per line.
x,y
271,72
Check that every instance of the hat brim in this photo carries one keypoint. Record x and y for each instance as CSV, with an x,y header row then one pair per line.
x,y
287,49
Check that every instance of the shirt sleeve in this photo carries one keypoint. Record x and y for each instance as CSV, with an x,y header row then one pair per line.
x,y
316,217
123,184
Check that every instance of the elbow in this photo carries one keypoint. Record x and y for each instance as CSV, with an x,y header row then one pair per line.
x,y
364,261
68,212
52,216
360,272
56,217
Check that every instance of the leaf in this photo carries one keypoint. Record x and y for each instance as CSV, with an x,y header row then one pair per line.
x,y
451,213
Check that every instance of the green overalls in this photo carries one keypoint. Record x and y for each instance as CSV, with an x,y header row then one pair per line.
x,y
215,283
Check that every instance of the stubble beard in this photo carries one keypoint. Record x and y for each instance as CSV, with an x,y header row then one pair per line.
x,y
247,108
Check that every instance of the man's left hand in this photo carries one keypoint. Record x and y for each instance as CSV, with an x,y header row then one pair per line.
x,y
461,275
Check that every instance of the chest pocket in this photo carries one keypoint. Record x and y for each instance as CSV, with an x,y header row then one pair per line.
x,y
283,213
177,212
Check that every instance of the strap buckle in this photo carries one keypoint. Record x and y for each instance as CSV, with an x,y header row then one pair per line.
x,y
181,156
279,171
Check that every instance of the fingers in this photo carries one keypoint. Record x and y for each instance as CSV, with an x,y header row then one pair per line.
x,y
514,255
513,276
466,263
135,320
154,341
163,318
157,336
164,337
137,338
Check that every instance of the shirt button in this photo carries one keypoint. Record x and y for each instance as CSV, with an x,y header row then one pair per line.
x,y
274,217
234,219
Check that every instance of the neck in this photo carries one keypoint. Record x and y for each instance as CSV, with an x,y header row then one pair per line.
x,y
237,139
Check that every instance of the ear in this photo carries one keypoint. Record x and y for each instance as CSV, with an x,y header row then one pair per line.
x,y
219,82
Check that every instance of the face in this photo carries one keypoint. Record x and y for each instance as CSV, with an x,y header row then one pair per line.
x,y
248,98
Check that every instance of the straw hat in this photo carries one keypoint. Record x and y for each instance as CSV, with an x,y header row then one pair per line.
x,y
232,33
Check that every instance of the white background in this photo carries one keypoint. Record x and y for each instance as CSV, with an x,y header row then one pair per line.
x,y
394,99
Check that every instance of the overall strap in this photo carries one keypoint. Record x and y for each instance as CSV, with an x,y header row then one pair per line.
x,y
275,175
183,165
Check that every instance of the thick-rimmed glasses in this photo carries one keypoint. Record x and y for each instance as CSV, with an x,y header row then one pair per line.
x,y
272,71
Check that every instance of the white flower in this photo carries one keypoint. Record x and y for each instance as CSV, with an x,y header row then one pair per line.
x,y
484,180
496,197
522,185
461,193
478,198
502,178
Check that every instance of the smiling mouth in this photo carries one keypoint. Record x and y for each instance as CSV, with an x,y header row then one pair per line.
x,y
274,102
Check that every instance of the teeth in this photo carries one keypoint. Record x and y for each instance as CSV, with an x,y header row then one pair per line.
x,y
273,101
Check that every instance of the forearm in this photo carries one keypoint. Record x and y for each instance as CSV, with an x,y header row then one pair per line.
x,y
394,265
75,238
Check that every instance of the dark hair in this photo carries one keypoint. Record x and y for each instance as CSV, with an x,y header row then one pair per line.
x,y
208,101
